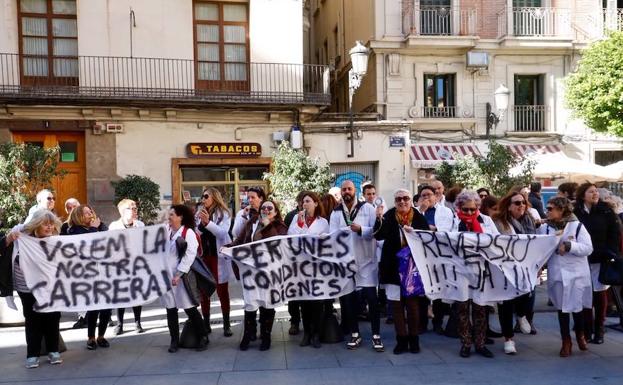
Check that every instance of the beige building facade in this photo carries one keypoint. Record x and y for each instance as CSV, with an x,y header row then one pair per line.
x,y
189,93
434,66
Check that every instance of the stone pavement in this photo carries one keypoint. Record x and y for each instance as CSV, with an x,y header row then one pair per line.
x,y
143,359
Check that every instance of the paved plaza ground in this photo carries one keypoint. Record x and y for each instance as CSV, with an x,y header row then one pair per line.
x,y
142,359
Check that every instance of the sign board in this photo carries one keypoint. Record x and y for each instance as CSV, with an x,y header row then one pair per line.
x,y
220,150
397,141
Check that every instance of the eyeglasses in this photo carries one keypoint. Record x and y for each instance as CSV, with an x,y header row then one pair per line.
x,y
50,198
267,208
205,196
468,210
402,199
519,203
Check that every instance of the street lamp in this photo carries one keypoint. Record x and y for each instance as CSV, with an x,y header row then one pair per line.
x,y
501,102
359,66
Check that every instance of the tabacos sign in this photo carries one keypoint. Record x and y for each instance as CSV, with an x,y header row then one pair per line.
x,y
209,150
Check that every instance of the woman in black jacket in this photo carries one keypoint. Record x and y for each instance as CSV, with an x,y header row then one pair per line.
x,y
390,227
83,220
603,226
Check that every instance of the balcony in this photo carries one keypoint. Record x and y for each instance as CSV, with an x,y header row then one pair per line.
x,y
535,27
588,27
529,118
158,81
440,112
438,26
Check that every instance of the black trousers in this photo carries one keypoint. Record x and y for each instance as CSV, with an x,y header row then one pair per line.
x,y
350,307
440,309
173,322
294,309
104,317
39,326
137,310
563,322
313,315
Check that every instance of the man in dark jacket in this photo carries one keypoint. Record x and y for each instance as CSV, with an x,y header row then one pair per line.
x,y
535,198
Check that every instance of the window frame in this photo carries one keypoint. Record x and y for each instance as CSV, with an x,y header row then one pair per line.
x,y
49,16
222,84
449,95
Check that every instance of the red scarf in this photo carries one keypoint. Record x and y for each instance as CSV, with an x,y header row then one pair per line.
x,y
308,221
471,221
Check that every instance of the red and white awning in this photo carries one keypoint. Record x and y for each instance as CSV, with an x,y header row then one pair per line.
x,y
534,149
432,155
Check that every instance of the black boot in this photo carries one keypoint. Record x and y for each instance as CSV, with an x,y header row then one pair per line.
x,y
306,341
402,345
249,326
227,326
198,323
139,327
174,330
266,328
206,322
414,344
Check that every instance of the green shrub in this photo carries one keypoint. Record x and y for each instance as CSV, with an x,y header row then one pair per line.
x,y
143,191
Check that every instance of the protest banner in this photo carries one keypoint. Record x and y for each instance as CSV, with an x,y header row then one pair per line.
x,y
483,267
295,267
102,270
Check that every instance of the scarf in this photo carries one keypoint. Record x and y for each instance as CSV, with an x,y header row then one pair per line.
x,y
471,221
561,224
523,225
405,219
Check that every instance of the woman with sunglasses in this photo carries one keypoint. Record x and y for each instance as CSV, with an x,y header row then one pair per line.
x,y
310,220
213,222
268,224
389,227
602,224
472,220
511,218
83,220
568,275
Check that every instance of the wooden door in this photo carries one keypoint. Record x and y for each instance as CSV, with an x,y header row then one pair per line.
x,y
72,161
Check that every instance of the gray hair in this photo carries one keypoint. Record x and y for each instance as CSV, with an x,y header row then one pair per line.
x,y
402,190
39,218
465,196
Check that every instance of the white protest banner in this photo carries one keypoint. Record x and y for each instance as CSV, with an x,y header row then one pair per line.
x,y
103,270
295,267
483,267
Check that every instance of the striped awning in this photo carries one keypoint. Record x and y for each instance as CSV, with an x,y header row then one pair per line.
x,y
534,149
432,155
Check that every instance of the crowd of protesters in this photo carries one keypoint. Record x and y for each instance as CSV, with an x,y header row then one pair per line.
x,y
588,218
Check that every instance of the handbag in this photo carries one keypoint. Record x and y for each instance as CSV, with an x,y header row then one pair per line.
x,y
199,278
411,284
611,271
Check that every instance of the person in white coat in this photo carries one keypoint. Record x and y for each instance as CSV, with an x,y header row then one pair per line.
x,y
128,213
568,274
255,196
358,218
213,222
310,221
181,224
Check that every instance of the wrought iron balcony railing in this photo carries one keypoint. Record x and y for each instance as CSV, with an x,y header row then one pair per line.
x,y
437,20
101,78
529,118
534,22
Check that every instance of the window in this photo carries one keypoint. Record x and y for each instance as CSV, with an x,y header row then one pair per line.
x,y
222,45
439,99
435,17
48,36
529,106
527,20
605,158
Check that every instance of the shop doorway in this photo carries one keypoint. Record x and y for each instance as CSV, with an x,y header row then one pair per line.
x,y
72,161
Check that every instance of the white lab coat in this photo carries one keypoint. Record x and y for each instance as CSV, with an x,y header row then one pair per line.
x,y
364,245
178,296
220,230
319,226
568,276
118,224
240,220
445,220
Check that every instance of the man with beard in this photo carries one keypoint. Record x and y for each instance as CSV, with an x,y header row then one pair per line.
x,y
358,218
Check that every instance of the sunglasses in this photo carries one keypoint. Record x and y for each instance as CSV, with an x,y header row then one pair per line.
x,y
468,210
519,203
402,199
205,196
267,208
50,198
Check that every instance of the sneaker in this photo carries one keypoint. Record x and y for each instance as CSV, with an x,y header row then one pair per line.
x,y
524,325
80,323
54,358
483,351
118,330
91,345
509,347
32,362
102,343
355,341
377,344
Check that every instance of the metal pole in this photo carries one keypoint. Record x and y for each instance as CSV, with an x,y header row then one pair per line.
x,y
352,130
488,117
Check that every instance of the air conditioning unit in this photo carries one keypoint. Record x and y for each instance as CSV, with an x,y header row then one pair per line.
x,y
114,128
477,60
279,136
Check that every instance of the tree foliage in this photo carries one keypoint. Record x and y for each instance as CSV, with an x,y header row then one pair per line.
x,y
492,171
143,191
294,171
26,169
595,89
